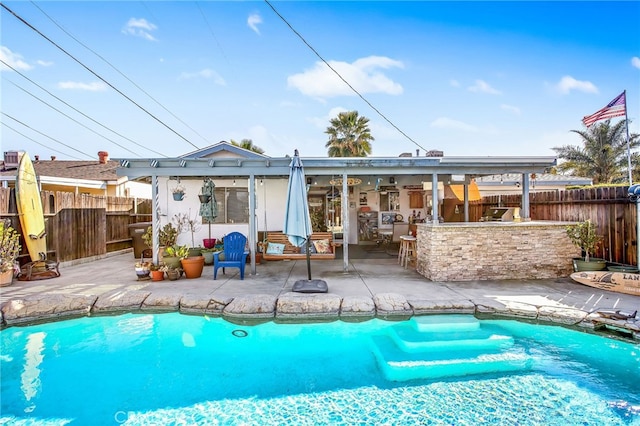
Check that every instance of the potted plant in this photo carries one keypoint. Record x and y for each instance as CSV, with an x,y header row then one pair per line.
x,y
143,268
191,265
584,235
9,251
178,193
174,254
207,253
167,236
173,273
184,223
157,272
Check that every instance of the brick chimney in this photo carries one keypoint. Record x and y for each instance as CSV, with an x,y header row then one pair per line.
x,y
103,156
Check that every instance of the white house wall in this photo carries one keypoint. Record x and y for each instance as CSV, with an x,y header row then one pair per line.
x,y
270,205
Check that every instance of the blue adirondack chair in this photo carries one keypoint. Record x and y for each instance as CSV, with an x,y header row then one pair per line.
x,y
235,255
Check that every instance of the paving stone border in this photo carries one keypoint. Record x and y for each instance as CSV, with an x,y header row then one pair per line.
x,y
291,307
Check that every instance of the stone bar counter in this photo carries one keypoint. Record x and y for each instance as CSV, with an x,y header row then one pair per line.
x,y
494,250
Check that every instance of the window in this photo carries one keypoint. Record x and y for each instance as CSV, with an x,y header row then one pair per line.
x,y
233,205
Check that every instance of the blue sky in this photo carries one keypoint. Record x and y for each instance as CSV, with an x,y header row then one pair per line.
x,y
468,78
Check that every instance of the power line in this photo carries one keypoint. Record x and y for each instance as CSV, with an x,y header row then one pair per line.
x,y
97,75
35,141
71,118
46,136
211,31
119,72
82,113
342,78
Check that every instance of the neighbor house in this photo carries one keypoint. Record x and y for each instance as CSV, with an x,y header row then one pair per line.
x,y
97,177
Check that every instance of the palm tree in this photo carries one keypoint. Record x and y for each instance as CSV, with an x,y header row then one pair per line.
x,y
248,145
603,156
349,136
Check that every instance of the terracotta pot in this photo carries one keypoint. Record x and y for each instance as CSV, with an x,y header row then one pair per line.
x,y
6,278
193,266
157,275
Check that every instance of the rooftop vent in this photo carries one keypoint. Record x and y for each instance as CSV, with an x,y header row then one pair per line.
x,y
434,153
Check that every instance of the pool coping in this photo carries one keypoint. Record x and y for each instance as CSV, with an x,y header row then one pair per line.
x,y
369,289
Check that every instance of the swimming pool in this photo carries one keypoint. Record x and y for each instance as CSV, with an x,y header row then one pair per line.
x,y
441,369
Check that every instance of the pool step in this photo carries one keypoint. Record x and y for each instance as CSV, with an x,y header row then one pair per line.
x,y
446,346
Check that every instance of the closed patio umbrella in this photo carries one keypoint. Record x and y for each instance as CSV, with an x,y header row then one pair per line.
x,y
297,223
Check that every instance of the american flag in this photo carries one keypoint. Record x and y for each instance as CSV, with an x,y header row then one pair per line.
x,y
615,108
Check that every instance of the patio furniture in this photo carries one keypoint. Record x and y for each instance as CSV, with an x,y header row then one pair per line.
x,y
235,255
408,250
290,252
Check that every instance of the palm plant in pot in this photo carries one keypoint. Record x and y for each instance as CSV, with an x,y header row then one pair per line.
x,y
9,251
584,235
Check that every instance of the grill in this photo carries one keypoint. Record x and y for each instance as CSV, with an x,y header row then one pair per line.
x,y
499,214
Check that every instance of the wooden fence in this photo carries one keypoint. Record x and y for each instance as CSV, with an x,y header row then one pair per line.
x,y
81,225
608,207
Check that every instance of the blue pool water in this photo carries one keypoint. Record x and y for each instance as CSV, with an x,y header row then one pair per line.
x,y
446,369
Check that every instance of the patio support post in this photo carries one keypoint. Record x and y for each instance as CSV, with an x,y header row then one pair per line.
x,y
253,227
466,202
155,208
434,198
345,223
524,206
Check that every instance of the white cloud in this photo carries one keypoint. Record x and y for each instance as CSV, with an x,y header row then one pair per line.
x,y
510,108
323,122
96,86
482,86
140,28
568,83
454,83
44,63
363,75
635,61
449,123
205,73
13,59
253,20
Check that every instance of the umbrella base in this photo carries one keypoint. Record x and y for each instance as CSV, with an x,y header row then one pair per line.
x,y
310,286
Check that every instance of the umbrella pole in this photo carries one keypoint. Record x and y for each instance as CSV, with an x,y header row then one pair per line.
x,y
309,257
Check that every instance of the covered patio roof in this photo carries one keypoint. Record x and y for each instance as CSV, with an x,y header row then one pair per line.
x,y
135,168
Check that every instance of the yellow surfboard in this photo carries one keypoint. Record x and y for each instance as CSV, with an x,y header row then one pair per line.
x,y
30,210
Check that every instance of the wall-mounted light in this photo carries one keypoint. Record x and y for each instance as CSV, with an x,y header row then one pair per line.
x,y
261,183
456,210
234,182
392,180
309,181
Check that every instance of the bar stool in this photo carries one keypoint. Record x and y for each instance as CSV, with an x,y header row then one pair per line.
x,y
407,252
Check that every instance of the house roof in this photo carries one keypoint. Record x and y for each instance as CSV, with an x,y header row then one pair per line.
x,y
223,149
86,170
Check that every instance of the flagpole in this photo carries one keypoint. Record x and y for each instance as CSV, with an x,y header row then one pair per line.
x,y
626,124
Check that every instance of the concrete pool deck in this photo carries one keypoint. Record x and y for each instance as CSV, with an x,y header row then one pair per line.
x,y
370,288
